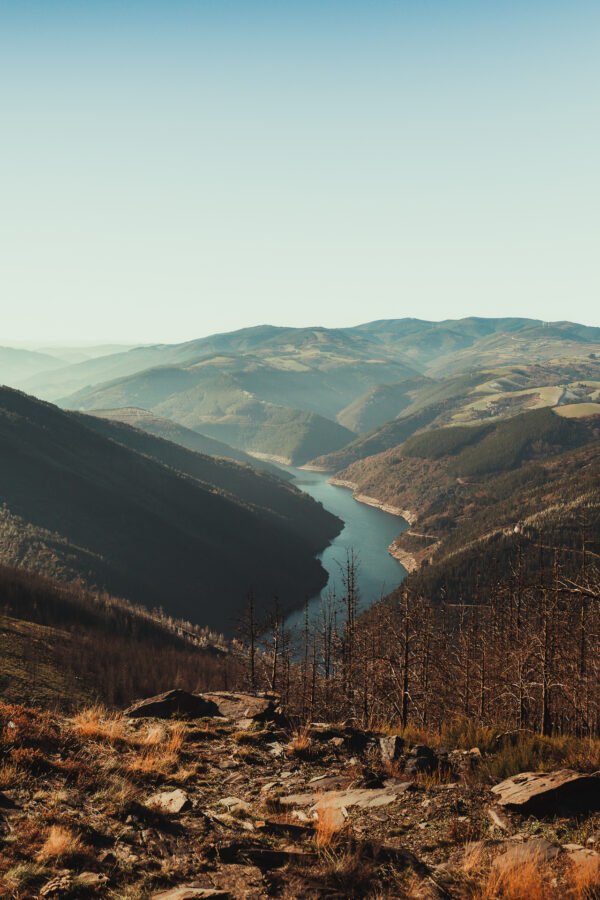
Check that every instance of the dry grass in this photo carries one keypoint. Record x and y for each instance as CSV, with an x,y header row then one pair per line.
x,y
60,844
24,876
161,755
9,772
347,869
585,879
329,827
527,752
31,760
302,747
300,742
526,881
509,753
99,724
474,858
22,726
248,736
115,796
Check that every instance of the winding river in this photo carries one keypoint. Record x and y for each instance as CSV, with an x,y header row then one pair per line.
x,y
367,530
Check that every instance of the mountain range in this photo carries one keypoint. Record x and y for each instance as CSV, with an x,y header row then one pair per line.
x,y
296,394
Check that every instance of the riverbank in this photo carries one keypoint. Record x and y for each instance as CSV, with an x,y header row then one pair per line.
x,y
270,457
408,515
405,558
368,532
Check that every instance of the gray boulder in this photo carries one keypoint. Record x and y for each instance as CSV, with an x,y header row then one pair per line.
x,y
174,704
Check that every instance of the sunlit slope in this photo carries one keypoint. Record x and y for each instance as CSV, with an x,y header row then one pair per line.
x,y
473,398
462,482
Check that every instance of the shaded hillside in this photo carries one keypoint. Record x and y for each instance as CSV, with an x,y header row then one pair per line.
x,y
454,345
349,364
260,490
287,392
415,345
549,504
380,404
64,646
78,502
185,437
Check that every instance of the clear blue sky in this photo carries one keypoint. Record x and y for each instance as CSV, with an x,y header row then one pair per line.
x,y
171,169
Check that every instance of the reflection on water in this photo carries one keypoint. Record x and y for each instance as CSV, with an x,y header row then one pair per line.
x,y
367,530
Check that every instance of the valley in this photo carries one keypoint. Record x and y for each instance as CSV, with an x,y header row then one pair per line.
x,y
367,531
357,568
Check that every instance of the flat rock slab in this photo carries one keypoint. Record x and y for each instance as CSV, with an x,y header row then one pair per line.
x,y
363,798
243,707
170,802
536,850
549,792
192,893
174,704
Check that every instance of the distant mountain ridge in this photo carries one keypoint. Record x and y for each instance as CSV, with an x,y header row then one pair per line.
x,y
18,365
299,393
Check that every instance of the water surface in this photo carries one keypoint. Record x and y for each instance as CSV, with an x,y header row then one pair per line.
x,y
367,530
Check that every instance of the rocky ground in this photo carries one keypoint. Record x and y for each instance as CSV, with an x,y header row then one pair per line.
x,y
217,796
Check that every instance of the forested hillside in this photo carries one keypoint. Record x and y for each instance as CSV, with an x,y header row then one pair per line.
x,y
77,504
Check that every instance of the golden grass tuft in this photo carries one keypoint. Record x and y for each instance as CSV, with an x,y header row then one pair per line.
x,y
301,746
528,880
329,826
300,742
161,755
60,844
99,724
585,879
9,773
473,858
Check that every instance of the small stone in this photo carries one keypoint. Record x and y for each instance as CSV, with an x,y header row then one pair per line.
x,y
276,749
171,802
421,760
234,804
91,880
498,819
391,748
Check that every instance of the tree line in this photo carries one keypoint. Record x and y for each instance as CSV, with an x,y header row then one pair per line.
x,y
522,651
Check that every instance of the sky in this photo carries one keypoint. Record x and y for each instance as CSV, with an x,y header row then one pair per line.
x,y
173,169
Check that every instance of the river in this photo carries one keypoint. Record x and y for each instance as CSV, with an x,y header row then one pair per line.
x,y
367,530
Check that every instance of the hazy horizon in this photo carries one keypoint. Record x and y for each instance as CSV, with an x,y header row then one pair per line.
x,y
125,345
173,170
